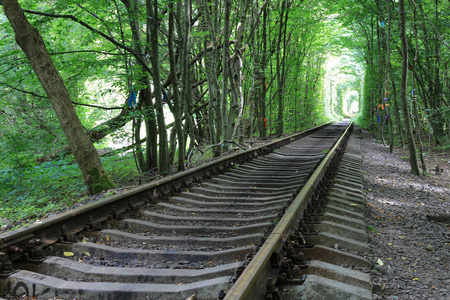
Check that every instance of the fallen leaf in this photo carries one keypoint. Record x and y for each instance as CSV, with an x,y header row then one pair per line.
x,y
400,236
380,262
415,279
87,254
352,204
68,253
429,248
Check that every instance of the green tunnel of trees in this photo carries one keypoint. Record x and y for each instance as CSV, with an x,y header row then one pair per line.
x,y
211,75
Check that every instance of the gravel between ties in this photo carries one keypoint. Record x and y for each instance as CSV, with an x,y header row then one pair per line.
x,y
410,254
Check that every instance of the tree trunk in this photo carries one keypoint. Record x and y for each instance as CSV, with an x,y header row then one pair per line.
x,y
262,100
177,111
236,76
226,57
410,137
32,44
186,74
388,65
145,94
215,126
437,82
416,113
152,28
279,75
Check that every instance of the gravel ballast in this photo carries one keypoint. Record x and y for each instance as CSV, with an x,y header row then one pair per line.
x,y
409,248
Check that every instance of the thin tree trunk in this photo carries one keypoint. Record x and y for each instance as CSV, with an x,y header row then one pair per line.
x,y
225,71
215,125
388,65
32,44
152,28
437,82
177,111
262,101
411,142
186,74
151,147
380,105
416,113
279,75
237,76
142,166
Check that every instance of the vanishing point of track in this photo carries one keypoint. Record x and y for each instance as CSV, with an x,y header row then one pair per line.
x,y
241,227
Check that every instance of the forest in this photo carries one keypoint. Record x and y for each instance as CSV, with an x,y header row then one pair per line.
x,y
99,94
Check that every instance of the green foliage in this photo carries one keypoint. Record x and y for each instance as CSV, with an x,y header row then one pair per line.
x,y
372,229
445,145
39,188
35,191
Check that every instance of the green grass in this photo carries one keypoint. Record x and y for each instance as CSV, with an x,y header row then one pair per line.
x,y
32,192
370,228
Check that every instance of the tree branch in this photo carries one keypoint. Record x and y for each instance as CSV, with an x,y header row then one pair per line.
x,y
45,97
110,39
93,51
22,91
96,106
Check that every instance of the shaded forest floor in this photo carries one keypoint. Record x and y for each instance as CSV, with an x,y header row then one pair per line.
x,y
410,252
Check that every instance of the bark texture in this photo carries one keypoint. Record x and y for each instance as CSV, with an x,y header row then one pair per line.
x,y
410,137
32,44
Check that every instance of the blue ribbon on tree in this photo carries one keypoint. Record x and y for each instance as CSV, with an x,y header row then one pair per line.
x,y
132,99
412,92
382,24
379,118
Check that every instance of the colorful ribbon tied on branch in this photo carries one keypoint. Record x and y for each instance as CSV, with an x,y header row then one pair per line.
x,y
382,106
265,121
132,99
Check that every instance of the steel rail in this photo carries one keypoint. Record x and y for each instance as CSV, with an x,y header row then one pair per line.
x,y
247,284
15,243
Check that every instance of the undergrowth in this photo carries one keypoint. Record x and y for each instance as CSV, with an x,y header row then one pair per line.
x,y
34,191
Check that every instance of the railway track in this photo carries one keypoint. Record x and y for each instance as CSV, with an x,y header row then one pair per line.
x,y
250,226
